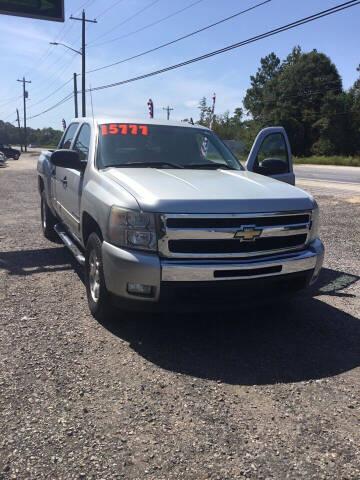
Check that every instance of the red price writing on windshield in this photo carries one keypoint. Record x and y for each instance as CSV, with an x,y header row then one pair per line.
x,y
124,129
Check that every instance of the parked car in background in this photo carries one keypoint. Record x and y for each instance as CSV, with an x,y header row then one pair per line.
x,y
162,214
2,160
9,152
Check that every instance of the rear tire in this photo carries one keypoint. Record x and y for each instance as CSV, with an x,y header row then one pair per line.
x,y
99,299
48,220
16,156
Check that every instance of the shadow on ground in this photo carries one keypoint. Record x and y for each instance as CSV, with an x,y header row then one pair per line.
x,y
286,341
289,341
28,262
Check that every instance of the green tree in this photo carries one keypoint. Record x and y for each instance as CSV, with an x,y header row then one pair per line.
x,y
353,116
268,70
41,137
205,113
294,96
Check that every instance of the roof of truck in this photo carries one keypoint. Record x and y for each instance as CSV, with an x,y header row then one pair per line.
x,y
146,121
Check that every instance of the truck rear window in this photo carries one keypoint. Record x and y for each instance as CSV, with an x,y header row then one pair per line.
x,y
124,144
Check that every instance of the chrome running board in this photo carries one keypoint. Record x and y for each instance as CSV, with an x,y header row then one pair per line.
x,y
69,243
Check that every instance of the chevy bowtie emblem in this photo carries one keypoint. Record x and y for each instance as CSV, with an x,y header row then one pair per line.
x,y
248,233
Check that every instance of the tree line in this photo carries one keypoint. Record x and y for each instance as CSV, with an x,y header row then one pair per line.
x,y
304,94
9,134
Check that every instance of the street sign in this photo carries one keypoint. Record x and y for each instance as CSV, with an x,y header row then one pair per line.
x,y
40,9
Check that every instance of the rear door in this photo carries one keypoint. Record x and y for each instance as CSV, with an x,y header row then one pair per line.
x,y
74,181
272,143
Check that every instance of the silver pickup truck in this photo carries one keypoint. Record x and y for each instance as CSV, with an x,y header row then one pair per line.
x,y
163,215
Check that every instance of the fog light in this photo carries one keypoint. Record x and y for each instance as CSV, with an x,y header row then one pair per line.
x,y
139,289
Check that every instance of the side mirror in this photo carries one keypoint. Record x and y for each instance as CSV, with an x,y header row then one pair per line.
x,y
67,159
274,166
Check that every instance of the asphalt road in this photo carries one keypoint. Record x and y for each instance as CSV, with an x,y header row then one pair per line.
x,y
254,394
328,173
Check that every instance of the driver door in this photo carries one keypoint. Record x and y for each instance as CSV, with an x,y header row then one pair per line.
x,y
60,174
272,149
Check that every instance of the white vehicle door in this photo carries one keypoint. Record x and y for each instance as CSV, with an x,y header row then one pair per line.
x,y
73,184
271,155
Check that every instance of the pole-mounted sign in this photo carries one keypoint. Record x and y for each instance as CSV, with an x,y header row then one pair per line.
x,y
151,108
40,9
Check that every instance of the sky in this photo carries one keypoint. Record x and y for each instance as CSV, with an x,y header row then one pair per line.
x,y
25,50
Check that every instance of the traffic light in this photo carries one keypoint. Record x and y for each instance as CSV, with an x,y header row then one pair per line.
x,y
63,124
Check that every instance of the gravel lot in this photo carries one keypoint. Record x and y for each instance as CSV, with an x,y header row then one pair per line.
x,y
269,393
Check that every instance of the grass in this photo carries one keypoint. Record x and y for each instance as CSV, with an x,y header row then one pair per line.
x,y
331,160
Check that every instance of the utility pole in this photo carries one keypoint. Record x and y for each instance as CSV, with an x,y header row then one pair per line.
x,y
168,110
18,122
83,19
25,95
76,96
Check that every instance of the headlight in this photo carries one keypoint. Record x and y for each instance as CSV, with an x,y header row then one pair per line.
x,y
132,229
314,232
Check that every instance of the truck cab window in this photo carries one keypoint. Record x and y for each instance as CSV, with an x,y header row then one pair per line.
x,y
273,146
82,143
66,141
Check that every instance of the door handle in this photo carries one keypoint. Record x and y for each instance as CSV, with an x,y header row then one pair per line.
x,y
64,182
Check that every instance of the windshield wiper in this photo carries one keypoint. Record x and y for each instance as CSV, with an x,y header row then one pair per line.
x,y
209,165
145,165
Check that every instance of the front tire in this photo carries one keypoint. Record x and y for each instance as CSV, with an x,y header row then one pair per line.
x,y
16,156
99,299
48,221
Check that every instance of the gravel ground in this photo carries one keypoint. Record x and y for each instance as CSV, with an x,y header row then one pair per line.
x,y
254,394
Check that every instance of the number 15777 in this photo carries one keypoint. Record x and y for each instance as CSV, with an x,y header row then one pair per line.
x,y
124,129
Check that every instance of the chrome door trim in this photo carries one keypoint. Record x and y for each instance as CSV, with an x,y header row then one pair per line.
x,y
69,214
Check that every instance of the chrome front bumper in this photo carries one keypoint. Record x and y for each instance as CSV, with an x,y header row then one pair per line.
x,y
124,266
205,271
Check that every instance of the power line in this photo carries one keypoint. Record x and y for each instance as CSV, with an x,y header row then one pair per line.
x,y
270,33
84,5
6,118
66,66
180,38
65,99
64,30
10,100
109,8
69,96
297,23
316,115
70,25
127,19
61,67
150,24
52,93
274,98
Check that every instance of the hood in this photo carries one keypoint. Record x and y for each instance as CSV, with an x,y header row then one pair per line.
x,y
208,191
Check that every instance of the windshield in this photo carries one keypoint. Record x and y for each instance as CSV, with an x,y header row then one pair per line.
x,y
162,146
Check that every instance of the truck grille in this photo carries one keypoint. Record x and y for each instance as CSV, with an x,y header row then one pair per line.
x,y
237,222
232,235
234,245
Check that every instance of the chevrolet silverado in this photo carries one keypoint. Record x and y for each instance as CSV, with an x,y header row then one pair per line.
x,y
162,214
